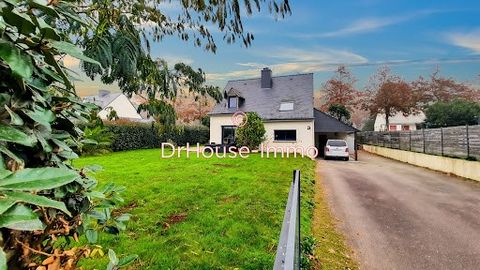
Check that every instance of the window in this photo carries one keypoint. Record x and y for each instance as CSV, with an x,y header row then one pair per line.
x,y
392,128
286,106
228,134
405,127
232,102
285,135
336,143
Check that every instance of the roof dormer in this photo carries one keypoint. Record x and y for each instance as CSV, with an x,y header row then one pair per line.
x,y
234,98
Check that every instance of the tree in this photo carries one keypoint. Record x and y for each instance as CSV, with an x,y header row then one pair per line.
x,y
369,124
45,203
442,89
340,112
252,133
454,113
388,94
340,89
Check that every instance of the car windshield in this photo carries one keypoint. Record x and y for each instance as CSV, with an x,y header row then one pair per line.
x,y
336,143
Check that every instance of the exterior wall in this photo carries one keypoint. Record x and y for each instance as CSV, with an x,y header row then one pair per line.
x,y
216,123
399,120
305,131
459,167
123,107
305,134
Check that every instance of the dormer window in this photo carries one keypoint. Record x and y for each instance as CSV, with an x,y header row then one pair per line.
x,y
232,102
286,106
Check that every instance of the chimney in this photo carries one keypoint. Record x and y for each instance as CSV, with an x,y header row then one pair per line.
x,y
102,93
266,78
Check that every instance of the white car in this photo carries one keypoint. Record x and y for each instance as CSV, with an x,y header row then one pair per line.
x,y
336,149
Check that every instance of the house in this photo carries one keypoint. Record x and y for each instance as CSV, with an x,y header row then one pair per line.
x,y
285,104
118,102
399,122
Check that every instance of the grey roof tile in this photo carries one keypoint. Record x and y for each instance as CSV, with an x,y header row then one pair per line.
x,y
266,101
327,123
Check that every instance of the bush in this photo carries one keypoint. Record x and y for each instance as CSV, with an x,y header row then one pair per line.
x,y
252,134
454,113
96,140
181,135
130,136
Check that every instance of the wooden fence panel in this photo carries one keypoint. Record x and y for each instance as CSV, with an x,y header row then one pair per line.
x,y
455,141
474,141
417,141
449,141
433,141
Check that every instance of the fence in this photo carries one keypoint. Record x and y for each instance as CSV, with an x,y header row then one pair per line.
x,y
288,250
461,141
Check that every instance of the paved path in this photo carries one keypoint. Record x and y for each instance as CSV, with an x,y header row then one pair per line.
x,y
398,216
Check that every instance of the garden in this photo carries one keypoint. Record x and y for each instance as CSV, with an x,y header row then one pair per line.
x,y
199,213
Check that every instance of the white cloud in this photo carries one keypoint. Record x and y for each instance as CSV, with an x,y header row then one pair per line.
x,y
294,61
470,40
371,24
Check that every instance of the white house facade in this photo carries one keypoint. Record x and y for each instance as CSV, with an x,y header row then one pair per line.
x,y
118,102
399,122
285,104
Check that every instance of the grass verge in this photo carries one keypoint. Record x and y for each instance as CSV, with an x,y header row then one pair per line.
x,y
331,250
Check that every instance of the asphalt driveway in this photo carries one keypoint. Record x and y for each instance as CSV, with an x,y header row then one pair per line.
x,y
398,216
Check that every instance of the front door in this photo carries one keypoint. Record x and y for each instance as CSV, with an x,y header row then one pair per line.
x,y
228,134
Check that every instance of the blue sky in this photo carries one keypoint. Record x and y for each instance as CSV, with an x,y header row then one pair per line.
x,y
413,37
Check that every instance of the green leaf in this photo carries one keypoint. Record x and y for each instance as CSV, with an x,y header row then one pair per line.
x,y
72,50
125,261
36,200
42,116
20,64
124,217
10,154
11,134
22,218
5,204
113,257
3,260
14,118
46,9
23,23
38,179
92,236
3,170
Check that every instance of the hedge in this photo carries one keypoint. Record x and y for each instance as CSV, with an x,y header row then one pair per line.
x,y
130,136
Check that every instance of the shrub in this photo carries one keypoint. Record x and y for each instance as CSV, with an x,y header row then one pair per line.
x,y
454,113
96,140
131,135
252,134
181,135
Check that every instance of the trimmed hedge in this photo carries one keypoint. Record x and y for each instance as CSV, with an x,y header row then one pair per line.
x,y
134,136
130,136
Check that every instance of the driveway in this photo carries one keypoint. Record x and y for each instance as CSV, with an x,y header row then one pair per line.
x,y
398,216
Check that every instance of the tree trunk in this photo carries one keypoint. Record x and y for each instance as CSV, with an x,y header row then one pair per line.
x,y
387,119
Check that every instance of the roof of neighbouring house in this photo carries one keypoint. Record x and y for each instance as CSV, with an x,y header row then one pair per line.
x,y
327,123
266,101
103,99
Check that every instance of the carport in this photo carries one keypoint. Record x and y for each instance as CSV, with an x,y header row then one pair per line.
x,y
328,127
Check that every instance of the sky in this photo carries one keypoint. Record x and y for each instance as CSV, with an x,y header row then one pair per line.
x,y
412,37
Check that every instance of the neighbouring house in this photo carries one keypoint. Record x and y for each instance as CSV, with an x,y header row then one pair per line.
x,y
285,103
399,122
118,102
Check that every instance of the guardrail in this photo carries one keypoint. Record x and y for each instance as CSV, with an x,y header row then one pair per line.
x,y
288,250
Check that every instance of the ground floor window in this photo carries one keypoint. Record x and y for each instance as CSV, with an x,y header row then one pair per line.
x,y
285,135
228,134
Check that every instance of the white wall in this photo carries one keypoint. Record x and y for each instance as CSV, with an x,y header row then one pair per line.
x,y
399,120
123,107
305,131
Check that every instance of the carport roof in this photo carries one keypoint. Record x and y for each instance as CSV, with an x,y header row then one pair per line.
x,y
326,123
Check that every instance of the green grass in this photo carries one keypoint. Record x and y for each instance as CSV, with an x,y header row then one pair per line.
x,y
332,251
222,213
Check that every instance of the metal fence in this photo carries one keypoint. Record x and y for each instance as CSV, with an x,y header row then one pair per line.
x,y
288,250
461,141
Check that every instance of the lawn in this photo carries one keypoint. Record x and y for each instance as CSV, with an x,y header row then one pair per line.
x,y
198,213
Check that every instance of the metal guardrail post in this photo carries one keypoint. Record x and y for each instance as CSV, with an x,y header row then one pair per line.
x,y
288,250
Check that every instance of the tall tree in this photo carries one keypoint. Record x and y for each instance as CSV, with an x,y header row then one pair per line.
x,y
340,89
388,94
438,88
340,112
